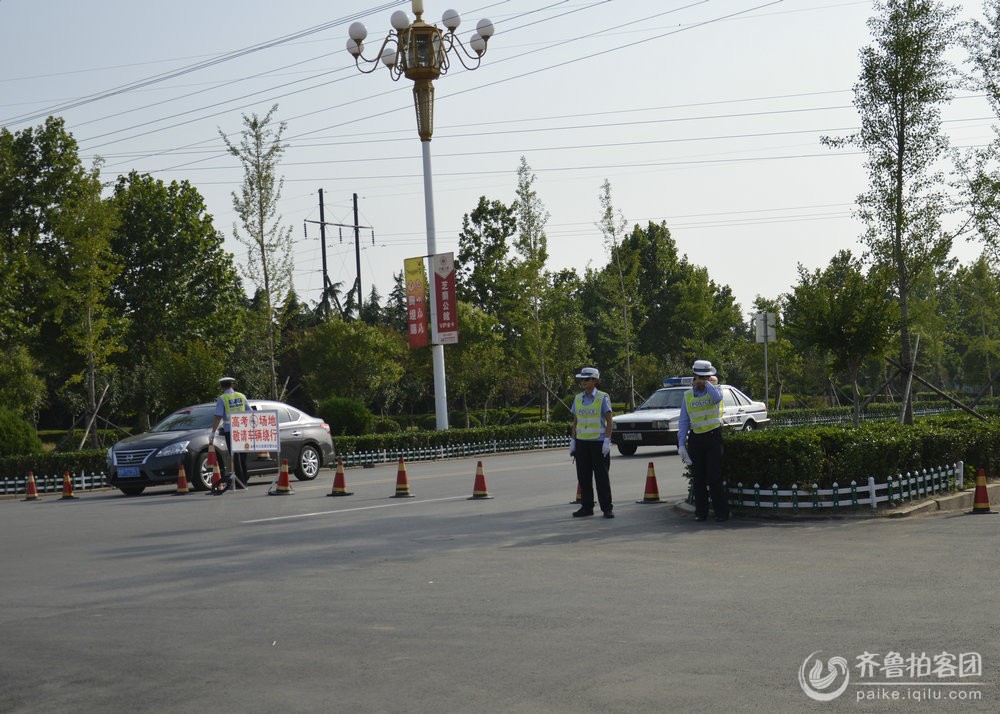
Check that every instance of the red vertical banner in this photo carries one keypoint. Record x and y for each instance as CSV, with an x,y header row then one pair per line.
x,y
445,300
416,302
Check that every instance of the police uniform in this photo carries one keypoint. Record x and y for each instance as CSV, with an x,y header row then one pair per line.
x,y
700,437
232,402
592,412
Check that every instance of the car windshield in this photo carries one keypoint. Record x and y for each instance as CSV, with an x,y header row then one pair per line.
x,y
186,419
664,399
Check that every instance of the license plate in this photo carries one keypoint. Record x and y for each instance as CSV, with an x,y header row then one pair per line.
x,y
631,437
128,471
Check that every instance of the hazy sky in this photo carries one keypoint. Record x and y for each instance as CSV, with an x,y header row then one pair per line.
x,y
705,115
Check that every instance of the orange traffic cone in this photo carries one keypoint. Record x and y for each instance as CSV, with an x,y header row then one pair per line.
x,y
652,494
31,491
981,499
479,487
339,487
579,495
67,492
182,482
213,461
402,485
283,488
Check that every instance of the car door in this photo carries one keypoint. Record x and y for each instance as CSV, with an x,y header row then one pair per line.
x,y
734,408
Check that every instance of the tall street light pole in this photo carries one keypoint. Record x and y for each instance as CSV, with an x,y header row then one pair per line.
x,y
420,52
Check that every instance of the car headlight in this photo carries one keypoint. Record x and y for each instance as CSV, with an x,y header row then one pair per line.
x,y
173,449
664,425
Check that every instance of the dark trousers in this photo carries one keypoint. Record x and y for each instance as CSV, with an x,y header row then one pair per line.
x,y
591,468
705,451
237,463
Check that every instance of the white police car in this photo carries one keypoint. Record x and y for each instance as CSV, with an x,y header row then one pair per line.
x,y
654,422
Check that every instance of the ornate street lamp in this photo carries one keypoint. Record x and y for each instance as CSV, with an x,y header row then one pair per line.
x,y
421,52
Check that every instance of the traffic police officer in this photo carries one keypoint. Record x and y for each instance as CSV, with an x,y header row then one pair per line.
x,y
590,442
699,442
228,403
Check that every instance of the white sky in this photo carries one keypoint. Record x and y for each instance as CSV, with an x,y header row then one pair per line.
x,y
709,123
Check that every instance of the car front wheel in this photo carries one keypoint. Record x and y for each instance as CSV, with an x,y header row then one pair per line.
x,y
308,463
201,474
627,449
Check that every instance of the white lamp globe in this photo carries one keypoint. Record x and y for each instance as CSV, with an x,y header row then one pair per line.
x,y
357,31
451,19
485,28
399,20
355,47
389,57
477,43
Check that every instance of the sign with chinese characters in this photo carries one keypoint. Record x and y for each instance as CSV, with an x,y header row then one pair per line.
x,y
445,300
255,431
416,302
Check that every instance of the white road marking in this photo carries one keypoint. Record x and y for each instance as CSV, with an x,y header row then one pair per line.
x,y
359,508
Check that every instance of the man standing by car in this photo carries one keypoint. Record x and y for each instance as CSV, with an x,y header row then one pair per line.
x,y
228,403
701,415
590,443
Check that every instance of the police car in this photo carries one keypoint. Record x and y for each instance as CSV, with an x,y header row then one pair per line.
x,y
654,422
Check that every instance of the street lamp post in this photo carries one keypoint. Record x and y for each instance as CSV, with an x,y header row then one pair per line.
x,y
420,52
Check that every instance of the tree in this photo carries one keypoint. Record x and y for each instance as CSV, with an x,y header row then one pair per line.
x,y
332,352
905,80
982,166
483,266
476,363
613,226
268,243
177,285
842,311
88,268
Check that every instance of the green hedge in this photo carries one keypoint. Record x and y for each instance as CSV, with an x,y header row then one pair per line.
x,y
842,453
54,462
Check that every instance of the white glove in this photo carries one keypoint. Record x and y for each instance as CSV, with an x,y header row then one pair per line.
x,y
606,448
684,455
572,447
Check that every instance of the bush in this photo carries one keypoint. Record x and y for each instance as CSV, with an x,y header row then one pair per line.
x,y
17,437
842,453
385,425
346,417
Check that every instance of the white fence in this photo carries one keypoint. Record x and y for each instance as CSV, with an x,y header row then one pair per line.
x,y
896,490
48,483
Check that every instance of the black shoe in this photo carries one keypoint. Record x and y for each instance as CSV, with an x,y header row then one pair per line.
x,y
721,519
583,512
701,518
609,514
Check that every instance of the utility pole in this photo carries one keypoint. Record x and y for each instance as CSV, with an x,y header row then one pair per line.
x,y
327,285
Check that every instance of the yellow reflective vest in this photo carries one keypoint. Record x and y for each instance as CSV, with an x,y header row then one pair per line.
x,y
705,414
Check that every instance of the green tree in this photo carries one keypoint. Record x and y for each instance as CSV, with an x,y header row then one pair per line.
x,y
476,364
981,167
483,265
844,312
177,286
268,243
332,352
905,80
975,323
88,268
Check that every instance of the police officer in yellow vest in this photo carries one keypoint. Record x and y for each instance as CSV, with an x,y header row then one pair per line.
x,y
699,442
229,402
590,443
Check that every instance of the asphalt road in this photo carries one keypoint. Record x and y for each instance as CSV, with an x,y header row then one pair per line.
x,y
437,603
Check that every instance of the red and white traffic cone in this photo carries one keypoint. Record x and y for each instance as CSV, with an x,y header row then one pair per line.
x,y
402,484
283,487
479,487
339,487
652,492
67,489
31,490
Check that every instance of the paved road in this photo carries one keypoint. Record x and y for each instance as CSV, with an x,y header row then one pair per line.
x,y
437,603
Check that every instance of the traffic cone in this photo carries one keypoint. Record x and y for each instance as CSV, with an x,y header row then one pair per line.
x,y
981,499
339,487
67,492
479,487
283,487
652,494
213,461
182,482
31,491
402,485
579,495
